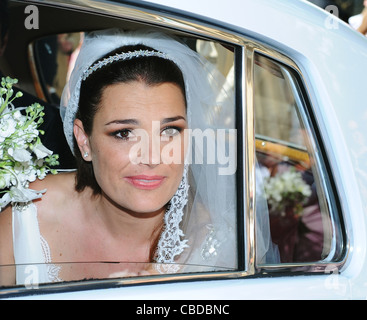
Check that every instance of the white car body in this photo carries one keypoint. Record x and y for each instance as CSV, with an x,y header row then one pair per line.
x,y
333,60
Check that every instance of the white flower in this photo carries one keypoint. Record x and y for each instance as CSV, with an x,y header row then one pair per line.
x,y
5,179
20,155
3,184
41,151
4,201
20,194
18,116
305,190
23,157
41,173
287,188
8,127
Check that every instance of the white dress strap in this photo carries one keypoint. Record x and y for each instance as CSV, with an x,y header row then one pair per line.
x,y
31,252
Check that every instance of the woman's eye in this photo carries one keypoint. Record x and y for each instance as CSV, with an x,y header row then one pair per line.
x,y
170,132
124,134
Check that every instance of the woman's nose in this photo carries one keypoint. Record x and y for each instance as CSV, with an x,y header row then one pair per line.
x,y
154,149
147,149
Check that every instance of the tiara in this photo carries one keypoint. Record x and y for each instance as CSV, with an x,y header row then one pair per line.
x,y
122,56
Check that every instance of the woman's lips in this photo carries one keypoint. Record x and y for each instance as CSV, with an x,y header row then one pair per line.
x,y
145,182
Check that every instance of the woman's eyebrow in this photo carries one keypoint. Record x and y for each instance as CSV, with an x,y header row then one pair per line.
x,y
172,119
136,122
123,121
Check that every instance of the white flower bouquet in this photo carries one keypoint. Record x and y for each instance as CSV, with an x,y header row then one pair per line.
x,y
23,157
286,190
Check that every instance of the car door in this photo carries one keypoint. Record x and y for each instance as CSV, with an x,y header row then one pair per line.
x,y
290,235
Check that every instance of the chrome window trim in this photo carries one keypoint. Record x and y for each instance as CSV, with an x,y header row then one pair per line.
x,y
96,284
249,181
201,28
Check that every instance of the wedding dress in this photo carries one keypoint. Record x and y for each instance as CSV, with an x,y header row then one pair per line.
x,y
32,254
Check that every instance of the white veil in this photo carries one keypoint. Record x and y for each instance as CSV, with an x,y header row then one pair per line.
x,y
201,221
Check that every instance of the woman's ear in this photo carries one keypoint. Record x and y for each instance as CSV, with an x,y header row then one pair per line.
x,y
82,140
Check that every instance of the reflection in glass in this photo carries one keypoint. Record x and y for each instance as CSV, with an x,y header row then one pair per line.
x,y
55,57
300,219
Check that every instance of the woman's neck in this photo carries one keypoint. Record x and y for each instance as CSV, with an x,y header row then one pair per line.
x,y
123,224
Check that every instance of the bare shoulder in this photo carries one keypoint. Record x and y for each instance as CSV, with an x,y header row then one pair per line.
x,y
55,182
59,192
6,234
7,272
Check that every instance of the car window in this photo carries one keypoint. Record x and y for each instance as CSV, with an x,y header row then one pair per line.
x,y
54,59
292,176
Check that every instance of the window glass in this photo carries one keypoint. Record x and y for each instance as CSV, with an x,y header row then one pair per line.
x,y
207,232
55,57
291,175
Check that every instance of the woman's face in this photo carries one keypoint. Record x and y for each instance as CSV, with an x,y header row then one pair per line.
x,y
137,144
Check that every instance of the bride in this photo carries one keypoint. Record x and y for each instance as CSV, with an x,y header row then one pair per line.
x,y
137,196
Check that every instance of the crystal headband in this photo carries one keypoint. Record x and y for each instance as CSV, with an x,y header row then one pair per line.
x,y
122,56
